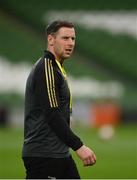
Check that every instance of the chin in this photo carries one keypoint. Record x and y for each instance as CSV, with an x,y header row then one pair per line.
x,y
67,56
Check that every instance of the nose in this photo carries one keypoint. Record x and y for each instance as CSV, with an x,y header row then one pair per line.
x,y
71,42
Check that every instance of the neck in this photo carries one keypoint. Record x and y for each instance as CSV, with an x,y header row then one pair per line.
x,y
56,57
60,61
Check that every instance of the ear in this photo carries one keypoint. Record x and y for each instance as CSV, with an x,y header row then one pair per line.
x,y
50,40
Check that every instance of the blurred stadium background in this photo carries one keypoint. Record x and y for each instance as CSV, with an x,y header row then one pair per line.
x,y
102,74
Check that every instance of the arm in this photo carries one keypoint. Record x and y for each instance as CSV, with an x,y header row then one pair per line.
x,y
63,131
47,92
47,97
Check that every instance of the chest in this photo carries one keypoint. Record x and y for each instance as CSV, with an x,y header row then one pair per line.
x,y
63,88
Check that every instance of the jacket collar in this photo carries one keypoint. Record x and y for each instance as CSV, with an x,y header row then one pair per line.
x,y
49,55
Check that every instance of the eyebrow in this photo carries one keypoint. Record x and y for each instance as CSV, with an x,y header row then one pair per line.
x,y
67,36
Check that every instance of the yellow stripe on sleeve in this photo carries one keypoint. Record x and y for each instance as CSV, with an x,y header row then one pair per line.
x,y
54,92
47,82
50,83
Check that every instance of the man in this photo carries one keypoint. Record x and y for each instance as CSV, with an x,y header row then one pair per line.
x,y
48,136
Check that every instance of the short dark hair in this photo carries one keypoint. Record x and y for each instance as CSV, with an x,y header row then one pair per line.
x,y
56,25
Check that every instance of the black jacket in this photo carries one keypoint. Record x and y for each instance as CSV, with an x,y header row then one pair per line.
x,y
47,112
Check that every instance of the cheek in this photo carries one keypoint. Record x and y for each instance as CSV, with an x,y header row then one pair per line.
x,y
59,46
58,50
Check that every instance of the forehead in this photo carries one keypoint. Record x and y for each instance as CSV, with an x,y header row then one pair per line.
x,y
66,31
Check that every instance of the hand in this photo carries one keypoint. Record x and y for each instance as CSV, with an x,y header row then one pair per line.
x,y
86,155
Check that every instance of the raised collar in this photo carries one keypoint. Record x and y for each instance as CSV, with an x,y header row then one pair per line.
x,y
49,55
61,69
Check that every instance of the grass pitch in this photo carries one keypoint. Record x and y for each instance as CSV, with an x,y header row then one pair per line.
x,y
116,158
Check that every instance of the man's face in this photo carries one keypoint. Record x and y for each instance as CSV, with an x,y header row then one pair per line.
x,y
64,42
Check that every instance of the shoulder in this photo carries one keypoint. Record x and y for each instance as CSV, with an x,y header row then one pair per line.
x,y
49,55
45,63
49,59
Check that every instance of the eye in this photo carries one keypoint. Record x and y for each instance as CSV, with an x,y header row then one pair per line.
x,y
73,38
65,37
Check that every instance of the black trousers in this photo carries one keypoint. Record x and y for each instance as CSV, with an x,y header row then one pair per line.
x,y
50,168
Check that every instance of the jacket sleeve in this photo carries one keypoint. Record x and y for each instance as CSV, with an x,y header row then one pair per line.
x,y
48,98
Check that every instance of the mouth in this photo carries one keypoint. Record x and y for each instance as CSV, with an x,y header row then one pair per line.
x,y
68,50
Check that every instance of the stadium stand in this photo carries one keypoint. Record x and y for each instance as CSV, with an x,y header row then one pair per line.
x,y
105,57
